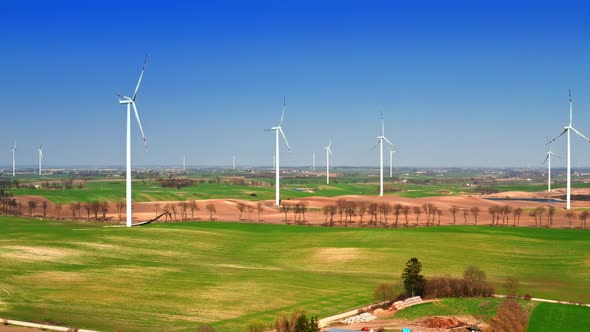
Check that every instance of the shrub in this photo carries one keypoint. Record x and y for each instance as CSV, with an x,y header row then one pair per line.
x,y
255,326
387,292
510,317
511,285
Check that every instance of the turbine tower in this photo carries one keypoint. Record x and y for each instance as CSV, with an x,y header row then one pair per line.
x,y
567,129
313,163
279,129
184,163
380,140
391,152
548,161
40,158
14,159
233,163
130,102
328,154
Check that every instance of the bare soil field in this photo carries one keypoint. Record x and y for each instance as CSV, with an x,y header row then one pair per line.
x,y
227,209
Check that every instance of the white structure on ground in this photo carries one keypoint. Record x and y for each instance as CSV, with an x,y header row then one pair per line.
x,y
130,101
567,129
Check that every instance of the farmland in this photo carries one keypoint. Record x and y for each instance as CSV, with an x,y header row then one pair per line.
x,y
177,276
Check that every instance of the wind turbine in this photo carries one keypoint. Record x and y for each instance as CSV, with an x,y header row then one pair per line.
x,y
313,163
130,101
391,152
567,130
14,159
184,163
278,129
233,163
328,154
380,140
40,157
548,161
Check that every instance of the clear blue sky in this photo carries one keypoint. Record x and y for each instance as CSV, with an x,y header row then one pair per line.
x,y
461,83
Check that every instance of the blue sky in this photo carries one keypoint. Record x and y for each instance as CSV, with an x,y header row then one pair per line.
x,y
460,83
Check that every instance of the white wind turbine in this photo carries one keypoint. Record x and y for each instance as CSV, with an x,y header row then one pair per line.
x,y
328,154
40,157
380,140
548,161
313,163
391,152
233,163
14,159
130,101
184,163
278,129
567,130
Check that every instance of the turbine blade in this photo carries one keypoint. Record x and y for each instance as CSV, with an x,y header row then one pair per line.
x,y
386,140
579,133
330,151
140,127
140,78
555,154
546,158
283,115
376,145
382,125
285,138
553,140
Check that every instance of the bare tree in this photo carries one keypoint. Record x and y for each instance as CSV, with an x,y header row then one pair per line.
x,y
120,205
44,207
474,212
373,210
194,207
540,211
32,207
73,209
397,210
285,209
516,213
465,214
173,210
259,209
385,210
551,214
166,211
493,210
406,211
211,208
453,209
304,208
350,211
104,208
184,206
341,207
439,213
571,215
250,210
426,210
583,216
156,209
417,211
361,209
241,207
88,208
58,207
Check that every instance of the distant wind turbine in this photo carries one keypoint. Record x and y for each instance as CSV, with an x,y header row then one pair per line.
x,y
313,163
130,101
278,129
567,130
233,163
14,159
548,161
380,140
184,163
328,154
40,157
391,152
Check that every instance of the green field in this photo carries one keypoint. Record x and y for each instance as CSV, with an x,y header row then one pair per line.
x,y
481,308
549,317
176,276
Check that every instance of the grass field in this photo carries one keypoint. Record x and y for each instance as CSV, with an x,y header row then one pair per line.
x,y
175,276
481,308
549,317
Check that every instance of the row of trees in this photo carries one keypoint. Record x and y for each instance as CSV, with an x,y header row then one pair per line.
x,y
173,210
299,209
250,209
